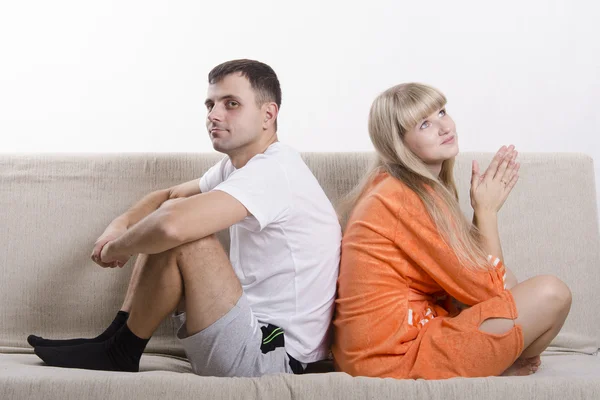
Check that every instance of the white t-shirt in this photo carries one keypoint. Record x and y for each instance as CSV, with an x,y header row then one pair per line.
x,y
287,253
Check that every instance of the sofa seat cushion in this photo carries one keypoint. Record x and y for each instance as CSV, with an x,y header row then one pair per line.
x,y
24,376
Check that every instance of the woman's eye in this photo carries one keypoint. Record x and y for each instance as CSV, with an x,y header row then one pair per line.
x,y
425,125
442,112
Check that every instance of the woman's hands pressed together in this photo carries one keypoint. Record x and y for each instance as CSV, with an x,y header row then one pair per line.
x,y
490,190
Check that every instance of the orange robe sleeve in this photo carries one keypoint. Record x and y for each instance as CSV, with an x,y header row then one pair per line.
x,y
418,238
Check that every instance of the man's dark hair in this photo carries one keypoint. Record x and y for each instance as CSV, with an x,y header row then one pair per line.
x,y
262,78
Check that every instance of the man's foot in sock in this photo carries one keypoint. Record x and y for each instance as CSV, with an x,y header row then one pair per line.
x,y
117,323
122,352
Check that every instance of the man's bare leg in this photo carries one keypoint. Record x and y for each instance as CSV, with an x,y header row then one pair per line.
x,y
133,281
114,326
211,290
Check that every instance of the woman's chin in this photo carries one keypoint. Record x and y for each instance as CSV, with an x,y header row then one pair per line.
x,y
454,151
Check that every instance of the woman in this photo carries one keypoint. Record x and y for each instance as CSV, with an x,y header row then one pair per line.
x,y
422,292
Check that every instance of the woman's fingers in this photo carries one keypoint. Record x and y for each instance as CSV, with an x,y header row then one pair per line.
x,y
493,167
509,156
511,169
474,174
507,189
499,178
502,169
511,184
505,153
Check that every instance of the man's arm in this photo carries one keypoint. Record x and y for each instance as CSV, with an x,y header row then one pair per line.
x,y
177,223
140,210
154,200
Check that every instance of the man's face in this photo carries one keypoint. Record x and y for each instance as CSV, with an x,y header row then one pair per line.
x,y
234,120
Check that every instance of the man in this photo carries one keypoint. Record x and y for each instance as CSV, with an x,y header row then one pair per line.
x,y
265,309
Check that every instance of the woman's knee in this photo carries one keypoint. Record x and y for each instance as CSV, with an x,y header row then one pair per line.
x,y
554,292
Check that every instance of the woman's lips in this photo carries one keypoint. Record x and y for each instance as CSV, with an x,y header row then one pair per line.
x,y
449,140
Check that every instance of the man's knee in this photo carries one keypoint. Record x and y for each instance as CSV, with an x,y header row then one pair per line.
x,y
205,248
207,242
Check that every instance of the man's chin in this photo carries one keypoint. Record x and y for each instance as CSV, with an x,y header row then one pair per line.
x,y
220,147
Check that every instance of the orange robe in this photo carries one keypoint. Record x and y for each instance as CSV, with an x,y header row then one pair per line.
x,y
394,312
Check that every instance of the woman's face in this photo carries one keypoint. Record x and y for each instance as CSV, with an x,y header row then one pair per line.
x,y
433,140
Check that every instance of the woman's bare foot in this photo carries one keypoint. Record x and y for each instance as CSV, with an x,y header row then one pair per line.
x,y
523,367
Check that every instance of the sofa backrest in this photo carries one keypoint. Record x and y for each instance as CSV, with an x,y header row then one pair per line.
x,y
54,206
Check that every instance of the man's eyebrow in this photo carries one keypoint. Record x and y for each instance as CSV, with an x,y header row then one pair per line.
x,y
226,97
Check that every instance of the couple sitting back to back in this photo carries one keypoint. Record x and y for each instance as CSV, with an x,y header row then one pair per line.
x,y
422,292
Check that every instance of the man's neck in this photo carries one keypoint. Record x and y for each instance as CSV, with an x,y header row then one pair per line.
x,y
240,157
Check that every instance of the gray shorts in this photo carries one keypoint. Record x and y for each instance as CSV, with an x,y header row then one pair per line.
x,y
237,344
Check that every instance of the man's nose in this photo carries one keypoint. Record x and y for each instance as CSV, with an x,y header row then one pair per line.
x,y
215,114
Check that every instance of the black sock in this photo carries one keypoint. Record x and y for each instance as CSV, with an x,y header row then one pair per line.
x,y
117,323
122,352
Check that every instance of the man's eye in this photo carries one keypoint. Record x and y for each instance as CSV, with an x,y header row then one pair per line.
x,y
209,107
425,125
232,103
442,112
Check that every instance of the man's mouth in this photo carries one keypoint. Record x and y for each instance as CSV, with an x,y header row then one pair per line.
x,y
216,130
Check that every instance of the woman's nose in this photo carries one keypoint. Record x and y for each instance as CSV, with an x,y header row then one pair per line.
x,y
445,128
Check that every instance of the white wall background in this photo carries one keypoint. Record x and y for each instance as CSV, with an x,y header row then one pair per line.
x,y
108,76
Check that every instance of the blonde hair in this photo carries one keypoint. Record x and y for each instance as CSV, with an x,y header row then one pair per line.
x,y
392,114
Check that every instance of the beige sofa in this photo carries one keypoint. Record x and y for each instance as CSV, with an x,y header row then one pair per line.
x,y
54,206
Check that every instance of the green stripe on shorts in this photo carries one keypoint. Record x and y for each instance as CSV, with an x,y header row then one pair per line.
x,y
273,335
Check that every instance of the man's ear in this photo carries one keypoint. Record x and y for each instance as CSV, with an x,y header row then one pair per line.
x,y
270,111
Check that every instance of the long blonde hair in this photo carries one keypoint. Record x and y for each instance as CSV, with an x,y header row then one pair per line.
x,y
392,114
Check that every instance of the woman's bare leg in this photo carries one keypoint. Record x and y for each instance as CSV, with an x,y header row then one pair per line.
x,y
543,303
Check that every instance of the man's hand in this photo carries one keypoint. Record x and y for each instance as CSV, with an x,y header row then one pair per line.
x,y
110,234
103,255
109,258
